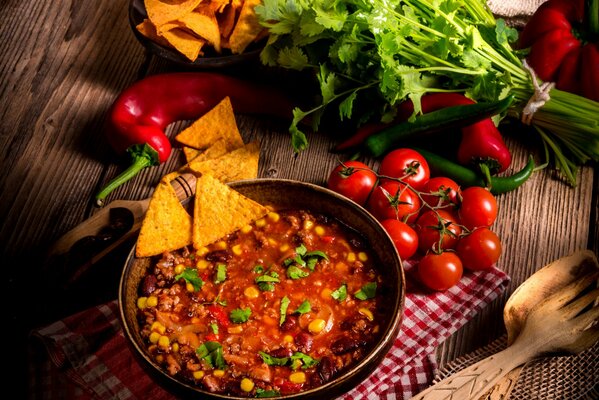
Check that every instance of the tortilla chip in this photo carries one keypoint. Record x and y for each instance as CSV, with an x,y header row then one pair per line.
x,y
203,23
220,210
161,12
219,148
215,124
185,43
166,225
226,21
246,29
147,29
191,153
234,166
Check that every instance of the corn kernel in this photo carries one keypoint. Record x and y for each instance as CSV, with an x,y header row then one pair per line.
x,y
152,301
272,242
235,329
351,257
297,377
195,320
251,292
273,216
367,313
221,244
362,256
284,248
246,229
175,347
317,325
237,250
164,341
202,251
288,339
198,374
342,268
159,358
296,364
219,373
326,293
308,224
179,268
142,302
158,327
247,385
154,336
202,264
319,230
189,287
260,223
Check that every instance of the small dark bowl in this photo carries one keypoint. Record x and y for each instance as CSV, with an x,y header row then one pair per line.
x,y
288,194
210,59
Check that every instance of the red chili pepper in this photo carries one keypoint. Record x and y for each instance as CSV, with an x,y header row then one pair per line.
x,y
563,36
219,314
481,141
140,114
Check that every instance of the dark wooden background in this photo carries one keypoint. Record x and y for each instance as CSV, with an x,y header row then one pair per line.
x,y
62,64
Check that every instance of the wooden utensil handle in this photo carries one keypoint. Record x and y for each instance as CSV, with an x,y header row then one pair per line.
x,y
474,381
184,185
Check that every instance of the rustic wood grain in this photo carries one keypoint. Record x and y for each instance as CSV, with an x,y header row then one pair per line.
x,y
62,64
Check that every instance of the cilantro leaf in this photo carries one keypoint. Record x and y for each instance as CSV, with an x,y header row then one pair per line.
x,y
214,328
303,308
258,269
283,310
261,393
212,353
340,294
301,250
240,315
295,272
368,291
191,276
270,360
266,282
221,273
307,361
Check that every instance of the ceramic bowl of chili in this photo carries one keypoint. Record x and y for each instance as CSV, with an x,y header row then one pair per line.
x,y
335,214
209,60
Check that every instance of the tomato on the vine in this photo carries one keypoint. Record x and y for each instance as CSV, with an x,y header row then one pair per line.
x,y
440,271
352,179
478,208
407,164
394,200
441,192
479,250
437,230
403,236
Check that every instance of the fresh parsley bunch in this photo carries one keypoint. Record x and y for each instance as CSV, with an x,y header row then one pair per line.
x,y
368,55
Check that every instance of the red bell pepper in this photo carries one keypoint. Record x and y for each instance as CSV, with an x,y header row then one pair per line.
x,y
563,36
139,116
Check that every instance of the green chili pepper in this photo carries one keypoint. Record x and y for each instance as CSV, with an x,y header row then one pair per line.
x,y
445,118
467,177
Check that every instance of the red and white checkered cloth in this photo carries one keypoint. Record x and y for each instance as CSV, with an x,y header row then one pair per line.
x,y
89,357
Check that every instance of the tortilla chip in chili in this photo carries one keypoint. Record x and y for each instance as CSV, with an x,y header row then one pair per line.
x,y
239,164
247,27
220,210
166,225
217,123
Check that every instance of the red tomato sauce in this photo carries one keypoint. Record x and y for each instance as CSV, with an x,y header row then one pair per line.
x,y
280,306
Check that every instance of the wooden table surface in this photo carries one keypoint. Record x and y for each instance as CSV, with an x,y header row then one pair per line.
x,y
64,62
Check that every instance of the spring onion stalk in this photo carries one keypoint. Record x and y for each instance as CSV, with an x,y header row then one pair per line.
x,y
369,55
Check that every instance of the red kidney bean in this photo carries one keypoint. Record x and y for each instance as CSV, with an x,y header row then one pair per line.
x,y
346,344
281,352
289,324
148,285
218,256
304,342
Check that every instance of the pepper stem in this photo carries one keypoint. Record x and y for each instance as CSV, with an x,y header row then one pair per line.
x,y
484,168
142,156
591,14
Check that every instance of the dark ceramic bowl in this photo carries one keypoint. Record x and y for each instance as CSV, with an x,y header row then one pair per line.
x,y
288,194
210,60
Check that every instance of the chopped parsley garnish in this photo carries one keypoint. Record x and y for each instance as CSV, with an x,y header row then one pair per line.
x,y
212,353
295,272
368,291
266,282
303,258
340,294
270,360
294,361
261,393
258,269
221,273
303,308
307,361
214,328
283,310
240,315
191,276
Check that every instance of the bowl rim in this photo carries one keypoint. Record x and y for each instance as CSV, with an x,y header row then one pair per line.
x,y
137,13
364,368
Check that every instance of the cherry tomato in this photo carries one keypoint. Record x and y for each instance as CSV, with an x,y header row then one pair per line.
x,y
394,200
437,230
479,250
407,164
352,179
403,236
440,271
478,208
443,192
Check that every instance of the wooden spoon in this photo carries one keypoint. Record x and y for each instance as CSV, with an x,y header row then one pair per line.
x,y
558,317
